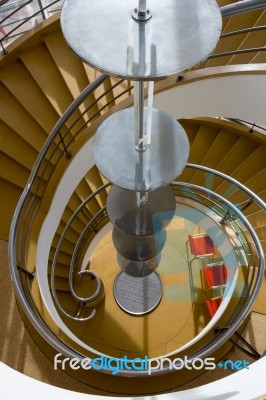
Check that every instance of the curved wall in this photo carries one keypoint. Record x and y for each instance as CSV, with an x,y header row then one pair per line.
x,y
242,97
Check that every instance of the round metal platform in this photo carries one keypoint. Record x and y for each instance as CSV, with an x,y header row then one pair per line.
x,y
126,212
138,248
179,35
138,296
117,159
138,269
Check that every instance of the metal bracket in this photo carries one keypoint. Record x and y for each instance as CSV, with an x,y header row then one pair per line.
x,y
252,352
141,16
25,271
241,206
79,310
141,13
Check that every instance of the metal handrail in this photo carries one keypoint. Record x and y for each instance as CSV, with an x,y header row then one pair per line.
x,y
245,123
83,238
16,279
16,239
243,6
2,2
232,326
219,210
235,52
72,274
245,30
37,173
239,315
40,11
41,162
24,208
16,10
45,161
234,182
256,199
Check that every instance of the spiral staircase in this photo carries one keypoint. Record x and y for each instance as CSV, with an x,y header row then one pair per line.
x,y
51,106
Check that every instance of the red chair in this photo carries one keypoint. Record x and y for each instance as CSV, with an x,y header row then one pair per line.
x,y
212,306
2,31
201,245
215,274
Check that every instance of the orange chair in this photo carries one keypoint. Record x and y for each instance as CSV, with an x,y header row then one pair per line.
x,y
212,306
215,274
201,245
2,31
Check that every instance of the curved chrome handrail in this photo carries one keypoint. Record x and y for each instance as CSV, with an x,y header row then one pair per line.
x,y
16,232
205,169
222,337
41,11
219,210
245,310
241,7
228,178
34,318
246,123
230,10
239,316
43,160
84,300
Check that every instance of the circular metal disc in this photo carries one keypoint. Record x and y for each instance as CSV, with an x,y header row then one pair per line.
x,y
179,35
137,296
127,214
138,248
138,269
117,159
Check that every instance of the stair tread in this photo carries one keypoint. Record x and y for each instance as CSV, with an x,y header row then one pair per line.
x,y
70,67
41,66
221,145
251,40
20,83
61,270
9,171
206,135
239,152
9,196
16,148
95,181
234,23
23,124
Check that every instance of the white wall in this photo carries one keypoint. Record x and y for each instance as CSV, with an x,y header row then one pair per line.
x,y
246,384
242,97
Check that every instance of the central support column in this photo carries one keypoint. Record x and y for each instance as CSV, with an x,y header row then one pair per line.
x,y
140,136
141,13
141,150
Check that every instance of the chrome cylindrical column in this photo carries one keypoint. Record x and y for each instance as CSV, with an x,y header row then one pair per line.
x,y
141,150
